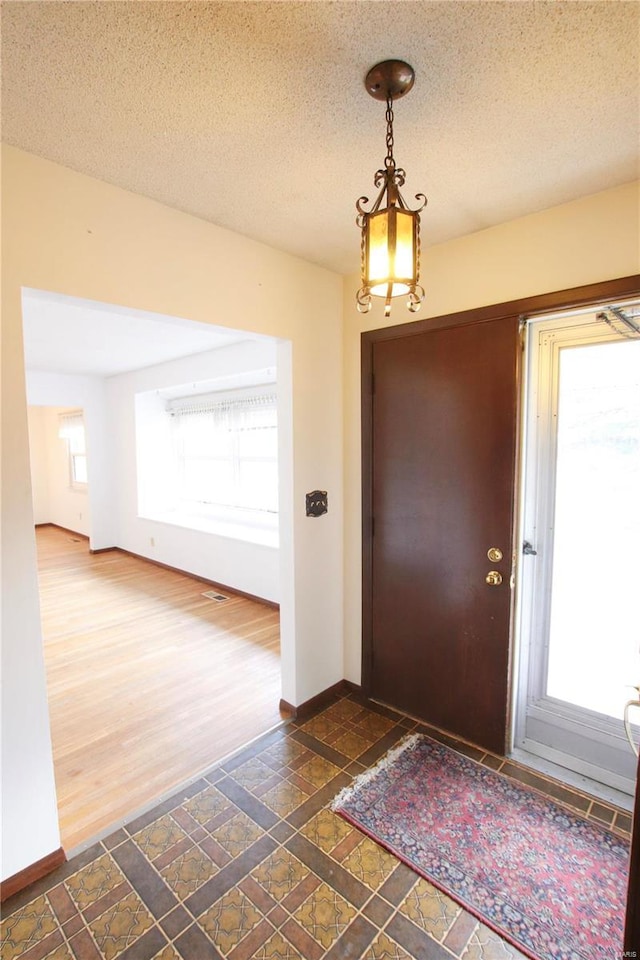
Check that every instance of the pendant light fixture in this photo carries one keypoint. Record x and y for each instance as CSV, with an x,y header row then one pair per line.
x,y
390,246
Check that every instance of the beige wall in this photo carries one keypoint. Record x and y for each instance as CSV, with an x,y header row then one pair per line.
x,y
70,234
54,499
592,239
39,464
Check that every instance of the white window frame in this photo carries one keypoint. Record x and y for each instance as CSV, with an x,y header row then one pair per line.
x,y
71,425
546,336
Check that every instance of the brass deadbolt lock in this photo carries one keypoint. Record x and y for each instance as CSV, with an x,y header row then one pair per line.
x,y
494,554
493,578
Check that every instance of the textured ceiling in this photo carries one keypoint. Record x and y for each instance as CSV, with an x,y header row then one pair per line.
x,y
254,115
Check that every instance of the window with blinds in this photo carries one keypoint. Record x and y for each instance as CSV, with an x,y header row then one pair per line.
x,y
226,451
71,429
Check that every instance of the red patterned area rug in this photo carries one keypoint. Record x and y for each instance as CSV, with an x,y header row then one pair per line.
x,y
546,880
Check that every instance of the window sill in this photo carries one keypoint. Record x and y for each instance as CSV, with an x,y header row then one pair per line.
x,y
266,536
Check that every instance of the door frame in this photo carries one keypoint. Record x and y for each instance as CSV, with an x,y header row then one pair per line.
x,y
584,296
534,710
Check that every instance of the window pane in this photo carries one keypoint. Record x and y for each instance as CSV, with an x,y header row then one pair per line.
x,y
227,454
259,485
79,466
259,443
593,635
199,438
76,440
208,481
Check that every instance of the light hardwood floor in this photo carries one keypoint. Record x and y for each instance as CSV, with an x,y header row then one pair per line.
x,y
148,681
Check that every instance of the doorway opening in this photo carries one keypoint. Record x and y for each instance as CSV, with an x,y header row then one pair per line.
x,y
142,666
579,649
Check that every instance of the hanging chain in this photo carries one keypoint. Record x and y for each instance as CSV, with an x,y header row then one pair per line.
x,y
389,161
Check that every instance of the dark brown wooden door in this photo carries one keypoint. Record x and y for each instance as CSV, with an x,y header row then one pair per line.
x,y
443,465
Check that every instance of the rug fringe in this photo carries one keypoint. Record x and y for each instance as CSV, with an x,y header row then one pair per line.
x,y
407,744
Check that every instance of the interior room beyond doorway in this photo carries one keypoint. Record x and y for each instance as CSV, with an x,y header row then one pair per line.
x,y
149,681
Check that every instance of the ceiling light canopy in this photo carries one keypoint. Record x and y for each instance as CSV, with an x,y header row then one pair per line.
x,y
390,246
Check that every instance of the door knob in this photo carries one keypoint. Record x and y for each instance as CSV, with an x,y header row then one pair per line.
x,y
493,578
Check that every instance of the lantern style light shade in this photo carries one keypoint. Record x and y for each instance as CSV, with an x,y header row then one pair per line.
x,y
390,243
390,259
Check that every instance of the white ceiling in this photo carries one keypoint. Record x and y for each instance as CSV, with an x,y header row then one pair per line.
x,y
254,115
67,335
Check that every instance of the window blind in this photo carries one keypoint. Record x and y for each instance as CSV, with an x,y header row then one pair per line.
x,y
71,427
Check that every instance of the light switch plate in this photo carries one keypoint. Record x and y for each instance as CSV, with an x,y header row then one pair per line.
x,y
317,503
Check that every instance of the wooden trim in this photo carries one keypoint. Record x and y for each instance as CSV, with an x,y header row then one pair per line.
x,y
632,922
515,531
320,700
594,293
103,550
194,576
74,533
366,457
36,871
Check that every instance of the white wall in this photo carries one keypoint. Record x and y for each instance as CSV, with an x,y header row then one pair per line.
x,y
72,391
66,506
108,511
251,567
593,239
73,235
153,460
39,464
